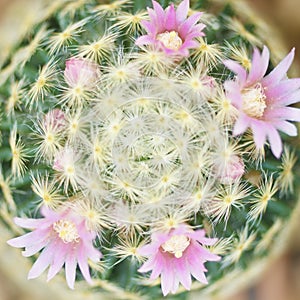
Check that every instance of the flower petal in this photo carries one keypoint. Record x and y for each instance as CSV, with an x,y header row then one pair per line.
x,y
158,266
144,40
34,248
259,66
28,223
167,279
43,261
148,249
159,11
282,89
182,11
285,113
25,240
237,69
183,273
170,18
241,124
149,27
280,71
196,31
70,267
58,260
287,127
83,265
275,142
188,24
147,266
198,273
259,133
289,99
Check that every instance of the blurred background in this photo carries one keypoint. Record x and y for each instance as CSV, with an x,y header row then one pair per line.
x,y
281,281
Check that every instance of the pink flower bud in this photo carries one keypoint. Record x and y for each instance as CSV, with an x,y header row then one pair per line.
x,y
62,159
210,82
81,72
233,170
56,119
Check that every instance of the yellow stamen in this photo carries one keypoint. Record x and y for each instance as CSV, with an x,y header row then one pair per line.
x,y
254,103
67,231
170,40
176,245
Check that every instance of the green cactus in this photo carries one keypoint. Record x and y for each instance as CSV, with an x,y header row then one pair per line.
x,y
119,146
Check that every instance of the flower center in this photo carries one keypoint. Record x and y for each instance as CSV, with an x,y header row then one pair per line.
x,y
254,103
170,40
67,231
176,245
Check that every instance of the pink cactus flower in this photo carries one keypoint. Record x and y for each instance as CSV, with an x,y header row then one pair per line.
x,y
262,101
55,119
232,171
81,73
176,255
66,241
63,160
170,30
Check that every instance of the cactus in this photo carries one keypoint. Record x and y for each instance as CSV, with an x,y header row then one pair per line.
x,y
139,140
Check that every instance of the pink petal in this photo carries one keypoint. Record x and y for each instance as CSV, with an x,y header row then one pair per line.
x,y
282,89
182,11
167,279
194,255
150,27
181,229
233,93
170,18
208,241
280,71
21,241
275,142
58,260
197,235
147,266
34,248
175,285
189,44
83,265
196,32
49,214
158,266
259,66
159,11
28,223
187,25
289,99
259,133
204,253
183,273
144,40
70,266
152,15
42,262
92,253
149,249
198,273
183,51
287,127
285,113
237,69
241,124
27,239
